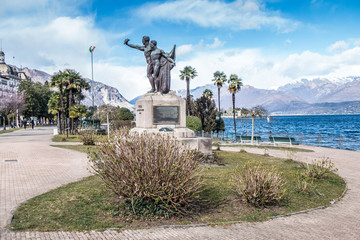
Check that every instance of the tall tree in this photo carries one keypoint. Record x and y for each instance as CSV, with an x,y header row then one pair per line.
x,y
114,113
187,74
54,107
255,112
59,81
37,96
77,111
208,93
69,86
11,102
81,85
205,109
72,82
219,79
235,84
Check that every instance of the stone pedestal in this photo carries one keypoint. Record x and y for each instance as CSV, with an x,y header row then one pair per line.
x,y
166,114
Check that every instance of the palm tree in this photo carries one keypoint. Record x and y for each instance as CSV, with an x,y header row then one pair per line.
x,y
257,111
82,84
69,84
207,93
54,105
187,74
72,85
219,79
58,81
235,84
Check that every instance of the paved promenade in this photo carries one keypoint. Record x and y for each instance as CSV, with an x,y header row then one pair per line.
x,y
42,167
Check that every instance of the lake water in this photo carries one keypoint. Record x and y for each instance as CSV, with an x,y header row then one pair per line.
x,y
335,131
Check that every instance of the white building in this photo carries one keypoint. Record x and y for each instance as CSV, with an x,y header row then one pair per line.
x,y
10,76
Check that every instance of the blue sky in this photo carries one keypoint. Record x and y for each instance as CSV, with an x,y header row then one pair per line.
x,y
268,43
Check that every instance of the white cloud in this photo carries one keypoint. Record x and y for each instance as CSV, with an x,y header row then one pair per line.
x,y
62,41
217,43
190,48
337,47
236,15
268,71
288,41
52,41
184,49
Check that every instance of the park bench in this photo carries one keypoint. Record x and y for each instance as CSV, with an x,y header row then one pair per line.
x,y
244,139
275,140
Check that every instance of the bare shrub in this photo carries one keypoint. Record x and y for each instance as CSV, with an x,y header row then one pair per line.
x,y
259,186
149,169
320,168
119,124
88,137
304,184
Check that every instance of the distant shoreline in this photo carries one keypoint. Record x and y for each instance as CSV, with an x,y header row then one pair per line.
x,y
285,115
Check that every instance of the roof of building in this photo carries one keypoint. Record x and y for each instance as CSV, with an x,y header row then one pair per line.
x,y
8,70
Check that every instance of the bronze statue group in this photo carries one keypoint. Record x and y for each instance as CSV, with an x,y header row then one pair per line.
x,y
159,64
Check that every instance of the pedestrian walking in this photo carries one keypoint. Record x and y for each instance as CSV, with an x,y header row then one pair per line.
x,y
32,123
25,123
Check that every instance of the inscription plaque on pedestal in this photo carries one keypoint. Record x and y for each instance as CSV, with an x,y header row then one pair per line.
x,y
166,115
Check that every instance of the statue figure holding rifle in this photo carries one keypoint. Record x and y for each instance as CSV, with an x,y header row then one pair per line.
x,y
159,64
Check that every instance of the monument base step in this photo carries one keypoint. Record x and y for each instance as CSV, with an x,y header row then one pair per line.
x,y
184,135
176,132
201,144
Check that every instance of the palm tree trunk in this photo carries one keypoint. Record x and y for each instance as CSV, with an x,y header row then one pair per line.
x,y
70,105
252,130
62,120
219,102
233,100
219,111
188,96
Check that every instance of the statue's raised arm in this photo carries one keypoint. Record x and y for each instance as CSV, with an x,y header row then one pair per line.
x,y
138,47
147,51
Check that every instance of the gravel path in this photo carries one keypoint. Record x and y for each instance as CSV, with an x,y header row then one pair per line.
x,y
42,168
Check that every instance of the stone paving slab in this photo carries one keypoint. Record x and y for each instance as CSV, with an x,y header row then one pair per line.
x,y
339,221
39,169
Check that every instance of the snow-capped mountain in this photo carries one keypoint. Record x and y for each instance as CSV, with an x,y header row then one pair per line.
x,y
316,96
103,94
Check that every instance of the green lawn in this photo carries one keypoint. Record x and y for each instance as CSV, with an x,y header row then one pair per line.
x,y
79,148
88,204
74,138
9,130
281,148
64,138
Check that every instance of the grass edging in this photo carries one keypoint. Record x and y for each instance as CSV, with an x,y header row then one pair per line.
x,y
269,147
317,208
232,222
220,221
10,130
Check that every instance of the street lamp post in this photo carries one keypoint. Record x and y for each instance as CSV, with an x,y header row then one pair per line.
x,y
91,49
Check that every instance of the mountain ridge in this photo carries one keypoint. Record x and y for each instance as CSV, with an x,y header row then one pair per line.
x,y
103,94
316,96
